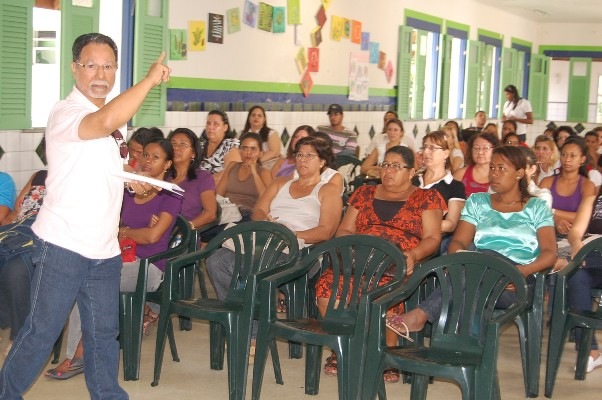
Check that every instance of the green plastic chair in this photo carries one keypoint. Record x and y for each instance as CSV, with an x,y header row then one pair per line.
x,y
343,328
258,248
349,163
131,304
464,341
563,320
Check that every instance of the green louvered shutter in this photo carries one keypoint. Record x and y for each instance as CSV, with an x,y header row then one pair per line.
x,y
520,70
16,41
404,65
486,78
76,20
150,39
420,75
473,72
579,79
538,85
508,74
445,76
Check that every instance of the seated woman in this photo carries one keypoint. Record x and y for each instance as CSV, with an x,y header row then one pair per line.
x,y
570,186
270,139
286,166
219,150
475,176
16,267
397,211
587,225
456,155
530,172
198,203
147,220
308,206
548,157
509,224
511,139
508,126
136,145
394,136
436,175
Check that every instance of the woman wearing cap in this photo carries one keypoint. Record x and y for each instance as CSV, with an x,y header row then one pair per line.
x,y
519,110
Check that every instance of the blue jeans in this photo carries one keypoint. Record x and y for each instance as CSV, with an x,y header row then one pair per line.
x,y
62,277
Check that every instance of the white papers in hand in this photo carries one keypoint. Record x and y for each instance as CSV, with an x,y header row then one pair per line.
x,y
129,177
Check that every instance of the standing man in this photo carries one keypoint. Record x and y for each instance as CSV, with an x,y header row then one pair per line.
x,y
76,252
344,140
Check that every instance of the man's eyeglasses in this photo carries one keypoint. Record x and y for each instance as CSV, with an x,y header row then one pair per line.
x,y
123,147
95,67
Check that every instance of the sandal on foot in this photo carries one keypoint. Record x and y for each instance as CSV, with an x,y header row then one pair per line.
x,y
330,368
396,323
391,375
281,308
149,322
74,367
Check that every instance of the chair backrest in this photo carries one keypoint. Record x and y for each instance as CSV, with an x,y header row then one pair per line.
x,y
357,262
257,246
181,234
347,166
194,244
470,284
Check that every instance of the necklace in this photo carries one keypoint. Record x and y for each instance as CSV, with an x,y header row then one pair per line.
x,y
499,198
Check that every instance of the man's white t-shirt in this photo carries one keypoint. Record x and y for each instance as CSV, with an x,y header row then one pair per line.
x,y
83,198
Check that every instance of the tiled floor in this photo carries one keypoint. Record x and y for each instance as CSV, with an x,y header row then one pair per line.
x,y
191,378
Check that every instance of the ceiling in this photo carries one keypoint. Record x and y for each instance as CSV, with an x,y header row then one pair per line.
x,y
586,11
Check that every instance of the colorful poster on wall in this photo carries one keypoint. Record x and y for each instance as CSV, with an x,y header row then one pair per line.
x,y
313,59
250,16
306,83
294,12
279,20
266,12
346,28
301,60
389,71
374,52
197,31
177,44
365,41
321,16
337,27
326,3
316,36
382,60
216,28
356,32
233,18
358,76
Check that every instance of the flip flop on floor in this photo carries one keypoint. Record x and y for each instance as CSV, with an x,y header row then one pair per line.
x,y
391,375
330,368
74,367
396,323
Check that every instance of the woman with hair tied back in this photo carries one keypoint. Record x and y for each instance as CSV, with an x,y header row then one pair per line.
x,y
270,140
219,150
518,110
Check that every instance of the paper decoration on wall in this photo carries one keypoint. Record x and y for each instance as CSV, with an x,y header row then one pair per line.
x,y
279,22
301,60
321,16
382,59
233,18
216,28
326,3
266,13
356,32
337,27
365,41
313,59
316,36
298,31
374,53
250,15
293,12
389,71
306,83
358,76
197,31
177,44
346,28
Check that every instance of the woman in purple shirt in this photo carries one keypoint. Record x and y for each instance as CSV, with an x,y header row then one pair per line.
x,y
198,205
